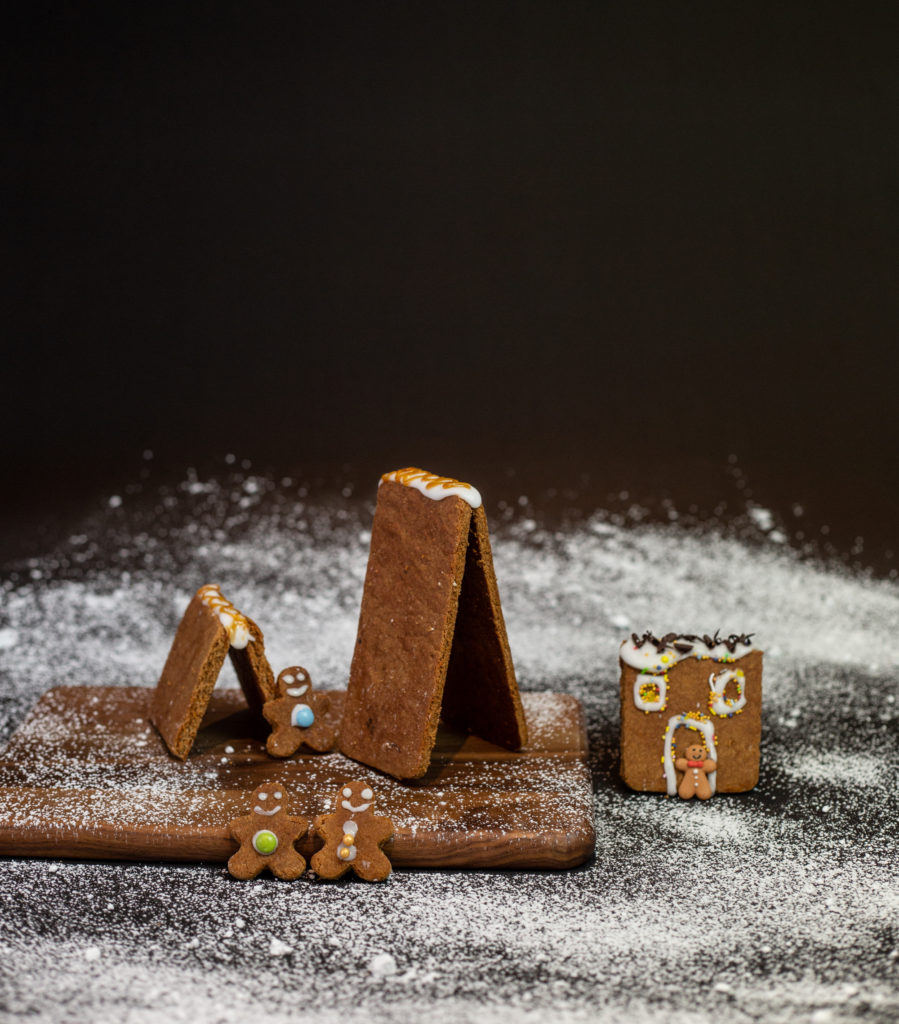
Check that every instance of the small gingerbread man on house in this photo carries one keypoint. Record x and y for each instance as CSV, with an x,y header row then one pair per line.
x,y
353,837
267,836
696,767
297,716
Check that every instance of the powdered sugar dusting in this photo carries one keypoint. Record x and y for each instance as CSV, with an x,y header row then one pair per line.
x,y
781,904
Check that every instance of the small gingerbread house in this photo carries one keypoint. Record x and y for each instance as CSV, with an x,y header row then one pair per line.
x,y
681,689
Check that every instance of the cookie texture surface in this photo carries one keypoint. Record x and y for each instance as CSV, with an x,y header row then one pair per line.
x,y
691,714
353,836
297,716
210,630
431,634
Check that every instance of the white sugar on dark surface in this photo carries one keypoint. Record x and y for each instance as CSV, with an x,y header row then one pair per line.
x,y
780,904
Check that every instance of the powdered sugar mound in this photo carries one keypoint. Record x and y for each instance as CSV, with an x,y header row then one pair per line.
x,y
780,904
839,767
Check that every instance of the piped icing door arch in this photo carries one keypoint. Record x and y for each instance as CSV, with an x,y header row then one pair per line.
x,y
708,734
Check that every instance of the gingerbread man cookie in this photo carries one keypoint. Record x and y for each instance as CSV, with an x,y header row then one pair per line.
x,y
267,836
695,766
353,837
297,716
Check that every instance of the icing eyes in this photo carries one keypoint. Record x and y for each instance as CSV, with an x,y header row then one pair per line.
x,y
277,796
288,678
263,796
367,794
347,791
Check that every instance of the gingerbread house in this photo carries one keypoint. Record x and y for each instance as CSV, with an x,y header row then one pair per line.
x,y
681,689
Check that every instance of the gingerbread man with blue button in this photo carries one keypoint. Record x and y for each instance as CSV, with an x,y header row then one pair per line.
x,y
298,716
267,836
353,837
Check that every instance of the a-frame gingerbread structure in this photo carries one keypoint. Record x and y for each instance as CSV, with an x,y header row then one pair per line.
x,y
210,630
431,640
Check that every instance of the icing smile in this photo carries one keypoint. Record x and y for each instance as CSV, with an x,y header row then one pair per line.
x,y
268,814
347,806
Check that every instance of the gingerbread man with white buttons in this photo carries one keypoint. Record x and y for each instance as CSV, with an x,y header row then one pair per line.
x,y
696,767
353,837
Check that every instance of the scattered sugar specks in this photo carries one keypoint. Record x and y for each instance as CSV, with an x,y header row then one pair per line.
x,y
777,905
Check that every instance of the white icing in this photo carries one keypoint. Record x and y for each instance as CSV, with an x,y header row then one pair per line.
x,y
645,656
718,703
651,705
708,733
296,691
287,678
347,791
433,486
238,629
268,814
347,806
366,794
347,851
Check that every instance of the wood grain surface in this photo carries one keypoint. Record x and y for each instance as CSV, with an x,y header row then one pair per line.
x,y
87,776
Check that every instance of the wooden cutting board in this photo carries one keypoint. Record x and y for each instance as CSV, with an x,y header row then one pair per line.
x,y
86,775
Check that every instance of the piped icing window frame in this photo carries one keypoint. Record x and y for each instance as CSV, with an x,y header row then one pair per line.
x,y
432,486
720,705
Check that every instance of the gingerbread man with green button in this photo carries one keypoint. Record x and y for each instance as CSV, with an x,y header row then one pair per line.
x,y
267,836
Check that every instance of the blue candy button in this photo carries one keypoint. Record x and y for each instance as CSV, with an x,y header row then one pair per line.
x,y
302,716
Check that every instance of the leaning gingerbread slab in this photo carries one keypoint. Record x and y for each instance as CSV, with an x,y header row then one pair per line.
x,y
691,714
210,630
431,635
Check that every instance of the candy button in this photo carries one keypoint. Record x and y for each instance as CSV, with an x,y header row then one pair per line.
x,y
302,716
265,842
348,840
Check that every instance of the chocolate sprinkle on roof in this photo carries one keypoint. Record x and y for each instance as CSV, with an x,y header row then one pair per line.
x,y
684,642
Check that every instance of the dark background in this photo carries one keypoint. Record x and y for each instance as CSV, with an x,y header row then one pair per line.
x,y
603,246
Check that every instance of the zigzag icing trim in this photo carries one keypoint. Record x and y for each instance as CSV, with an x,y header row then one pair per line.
x,y
237,625
433,486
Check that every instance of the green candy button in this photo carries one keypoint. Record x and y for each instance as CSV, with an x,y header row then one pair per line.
x,y
265,842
